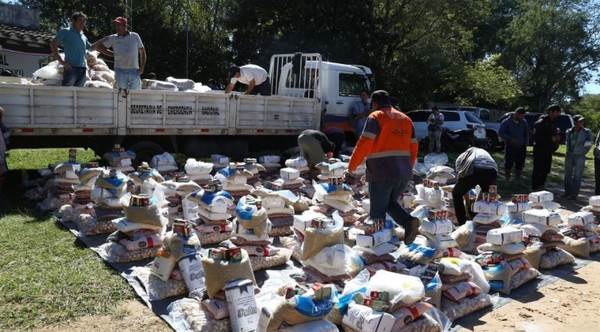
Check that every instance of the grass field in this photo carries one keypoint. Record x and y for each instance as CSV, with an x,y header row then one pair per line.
x,y
47,276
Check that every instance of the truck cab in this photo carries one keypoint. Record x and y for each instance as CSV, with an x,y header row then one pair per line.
x,y
335,85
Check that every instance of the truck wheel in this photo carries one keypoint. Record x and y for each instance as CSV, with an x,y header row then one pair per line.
x,y
145,150
491,141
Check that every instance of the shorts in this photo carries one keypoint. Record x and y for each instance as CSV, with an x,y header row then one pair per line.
x,y
128,79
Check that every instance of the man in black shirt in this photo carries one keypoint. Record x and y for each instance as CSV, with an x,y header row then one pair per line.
x,y
546,136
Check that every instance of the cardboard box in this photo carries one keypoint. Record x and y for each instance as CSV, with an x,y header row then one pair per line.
x,y
505,235
289,173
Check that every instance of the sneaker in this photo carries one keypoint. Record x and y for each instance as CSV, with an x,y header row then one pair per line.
x,y
410,237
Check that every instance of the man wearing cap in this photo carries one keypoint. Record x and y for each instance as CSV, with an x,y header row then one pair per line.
x,y
578,141
546,139
75,44
388,143
515,133
129,53
255,77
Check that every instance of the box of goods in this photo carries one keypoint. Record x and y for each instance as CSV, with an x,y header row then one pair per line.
x,y
518,207
542,217
580,218
443,226
541,196
363,318
289,173
497,208
375,239
595,201
505,235
241,301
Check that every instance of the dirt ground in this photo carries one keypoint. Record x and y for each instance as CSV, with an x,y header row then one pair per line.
x,y
570,304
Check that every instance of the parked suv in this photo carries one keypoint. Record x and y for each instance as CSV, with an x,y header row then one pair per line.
x,y
453,120
491,127
564,122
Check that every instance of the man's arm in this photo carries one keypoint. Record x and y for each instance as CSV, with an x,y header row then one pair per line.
x,y
142,52
251,85
54,47
99,46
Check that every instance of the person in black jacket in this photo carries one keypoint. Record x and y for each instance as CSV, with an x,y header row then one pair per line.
x,y
546,138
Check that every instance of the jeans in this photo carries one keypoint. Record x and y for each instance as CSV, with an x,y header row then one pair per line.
x,y
597,175
435,141
514,156
574,166
384,197
128,79
482,177
74,77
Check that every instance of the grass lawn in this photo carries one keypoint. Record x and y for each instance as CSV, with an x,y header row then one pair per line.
x,y
47,276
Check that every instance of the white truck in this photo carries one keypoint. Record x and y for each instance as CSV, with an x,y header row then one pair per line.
x,y
150,121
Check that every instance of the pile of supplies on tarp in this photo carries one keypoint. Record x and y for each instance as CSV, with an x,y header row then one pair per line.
x,y
212,213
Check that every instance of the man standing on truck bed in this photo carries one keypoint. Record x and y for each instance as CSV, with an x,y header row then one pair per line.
x,y
389,144
255,77
75,44
129,53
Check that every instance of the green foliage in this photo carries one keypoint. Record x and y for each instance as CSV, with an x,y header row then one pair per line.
x,y
589,107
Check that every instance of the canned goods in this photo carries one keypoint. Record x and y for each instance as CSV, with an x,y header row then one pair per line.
x,y
493,189
374,294
92,164
493,197
515,198
235,255
72,155
144,199
316,223
215,253
377,305
384,296
367,301
258,203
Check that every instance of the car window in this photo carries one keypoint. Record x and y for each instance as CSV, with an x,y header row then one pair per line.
x,y
472,118
418,116
564,122
451,116
484,115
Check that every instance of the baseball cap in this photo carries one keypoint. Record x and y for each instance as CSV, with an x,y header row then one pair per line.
x,y
120,20
381,97
578,117
553,108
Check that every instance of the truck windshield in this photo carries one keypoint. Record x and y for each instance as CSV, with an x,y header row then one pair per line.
x,y
352,84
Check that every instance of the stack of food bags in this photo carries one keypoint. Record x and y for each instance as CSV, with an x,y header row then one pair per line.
x,y
213,224
172,193
300,164
234,179
373,239
111,185
81,202
502,259
139,234
251,229
219,161
289,179
580,234
543,200
279,210
120,159
198,171
165,164
272,165
255,168
145,179
60,187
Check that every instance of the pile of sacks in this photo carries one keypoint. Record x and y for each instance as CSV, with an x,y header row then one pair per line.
x,y
165,164
502,259
100,76
199,171
333,192
120,159
81,202
271,164
300,164
173,192
110,186
213,213
580,234
279,210
255,168
289,179
139,234
251,229
145,179
234,179
60,188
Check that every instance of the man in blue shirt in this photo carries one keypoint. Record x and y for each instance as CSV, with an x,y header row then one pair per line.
x,y
75,44
515,133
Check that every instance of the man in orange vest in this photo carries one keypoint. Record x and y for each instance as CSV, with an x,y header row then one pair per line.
x,y
389,144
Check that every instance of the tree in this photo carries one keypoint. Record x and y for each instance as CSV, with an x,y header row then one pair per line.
x,y
589,107
552,45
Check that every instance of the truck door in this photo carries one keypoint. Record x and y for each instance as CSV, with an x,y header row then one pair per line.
x,y
346,90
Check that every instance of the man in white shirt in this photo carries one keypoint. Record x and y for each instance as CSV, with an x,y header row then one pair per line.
x,y
129,53
255,77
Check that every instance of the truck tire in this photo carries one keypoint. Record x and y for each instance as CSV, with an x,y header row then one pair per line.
x,y
145,150
491,141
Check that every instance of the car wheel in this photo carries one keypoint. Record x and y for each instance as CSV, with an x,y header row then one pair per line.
x,y
491,141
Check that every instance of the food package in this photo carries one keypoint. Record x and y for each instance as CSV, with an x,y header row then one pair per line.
x,y
497,208
443,226
505,235
241,301
363,318
541,196
375,239
541,216
518,207
289,173
595,200
580,218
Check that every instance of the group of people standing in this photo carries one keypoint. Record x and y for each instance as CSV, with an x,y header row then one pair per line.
x,y
125,46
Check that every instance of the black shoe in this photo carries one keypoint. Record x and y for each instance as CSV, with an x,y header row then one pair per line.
x,y
564,195
410,236
572,198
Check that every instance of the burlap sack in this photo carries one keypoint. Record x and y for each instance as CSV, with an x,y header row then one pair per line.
x,y
554,258
465,306
156,288
533,255
218,273
265,262
176,243
301,205
285,312
257,223
579,248
196,318
149,215
315,240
